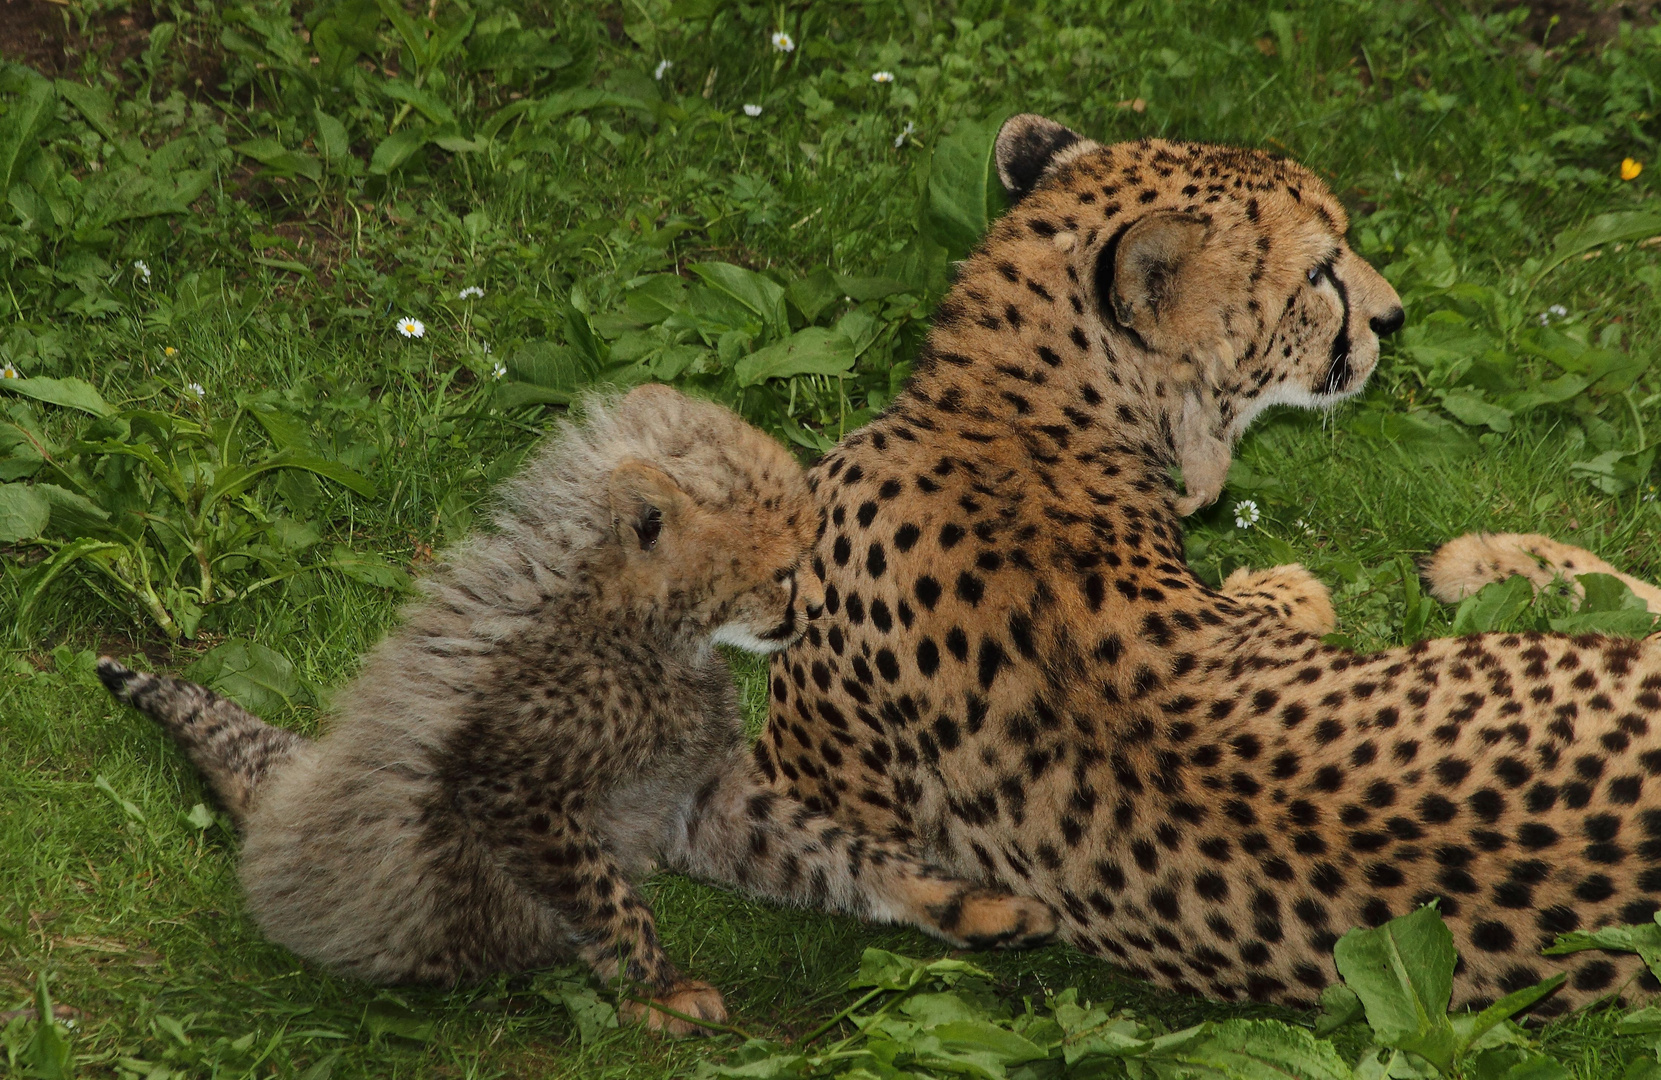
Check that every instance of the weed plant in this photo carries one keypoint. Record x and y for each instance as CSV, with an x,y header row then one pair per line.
x,y
285,287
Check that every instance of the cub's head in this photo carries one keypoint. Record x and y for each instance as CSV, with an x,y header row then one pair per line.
x,y
711,523
1218,275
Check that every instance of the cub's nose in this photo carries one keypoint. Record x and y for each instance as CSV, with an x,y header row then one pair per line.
x,y
1388,323
814,609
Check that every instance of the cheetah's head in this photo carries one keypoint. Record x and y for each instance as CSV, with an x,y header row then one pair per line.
x,y
713,531
1220,272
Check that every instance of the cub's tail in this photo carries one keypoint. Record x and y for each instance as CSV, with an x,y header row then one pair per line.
x,y
234,749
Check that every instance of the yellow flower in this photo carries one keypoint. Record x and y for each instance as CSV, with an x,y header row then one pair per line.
x,y
169,351
1630,169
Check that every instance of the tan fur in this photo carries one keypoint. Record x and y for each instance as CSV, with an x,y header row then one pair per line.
x,y
1032,682
1464,565
551,723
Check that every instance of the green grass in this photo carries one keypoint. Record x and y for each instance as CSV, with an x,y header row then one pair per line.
x,y
1462,148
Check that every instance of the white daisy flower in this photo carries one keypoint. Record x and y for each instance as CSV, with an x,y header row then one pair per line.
x,y
412,328
473,292
196,388
883,77
905,133
142,268
10,372
783,42
1559,310
1246,514
662,67
752,110
498,370
484,346
1304,527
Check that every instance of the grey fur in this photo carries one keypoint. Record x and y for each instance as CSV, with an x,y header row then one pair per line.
x,y
550,722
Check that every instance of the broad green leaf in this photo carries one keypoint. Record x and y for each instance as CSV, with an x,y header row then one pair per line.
x,y
93,104
331,137
1472,410
1516,1063
1505,1008
368,568
160,469
20,129
1643,939
1339,1006
73,515
200,817
814,351
258,678
1645,1021
70,393
1603,229
99,552
47,1053
389,1016
424,101
1616,471
870,288
23,513
890,971
273,155
1264,1050
814,293
964,193
592,1014
396,149
757,292
238,477
1493,606
1607,607
1414,431
1403,973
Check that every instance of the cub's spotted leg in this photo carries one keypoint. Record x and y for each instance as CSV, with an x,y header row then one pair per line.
x,y
1291,593
563,864
1460,567
742,834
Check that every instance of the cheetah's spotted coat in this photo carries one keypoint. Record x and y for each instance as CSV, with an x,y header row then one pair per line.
x,y
1018,670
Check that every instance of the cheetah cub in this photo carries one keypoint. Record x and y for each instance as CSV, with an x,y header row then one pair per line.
x,y
551,722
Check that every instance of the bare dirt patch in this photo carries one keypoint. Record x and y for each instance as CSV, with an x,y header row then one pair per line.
x,y
1557,22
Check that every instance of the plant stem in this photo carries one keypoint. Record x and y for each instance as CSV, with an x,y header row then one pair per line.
x,y
839,1017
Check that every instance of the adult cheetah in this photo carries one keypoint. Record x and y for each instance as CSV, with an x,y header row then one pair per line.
x,y
1018,670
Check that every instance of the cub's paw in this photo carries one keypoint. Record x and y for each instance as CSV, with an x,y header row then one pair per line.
x,y
1292,592
688,997
986,918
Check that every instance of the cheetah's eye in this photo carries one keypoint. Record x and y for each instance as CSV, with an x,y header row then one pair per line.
x,y
1314,275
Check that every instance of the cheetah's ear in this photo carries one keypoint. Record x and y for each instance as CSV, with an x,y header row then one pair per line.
x,y
1025,147
644,501
1143,272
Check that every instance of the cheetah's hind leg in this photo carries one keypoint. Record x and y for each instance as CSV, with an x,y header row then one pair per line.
x,y
1462,566
1290,593
740,833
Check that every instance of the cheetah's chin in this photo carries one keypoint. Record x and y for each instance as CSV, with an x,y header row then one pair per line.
x,y
742,637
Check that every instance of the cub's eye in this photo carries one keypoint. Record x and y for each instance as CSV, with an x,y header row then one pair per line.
x,y
649,528
1314,275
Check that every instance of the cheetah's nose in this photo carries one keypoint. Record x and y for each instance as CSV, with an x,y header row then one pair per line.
x,y
815,610
1385,325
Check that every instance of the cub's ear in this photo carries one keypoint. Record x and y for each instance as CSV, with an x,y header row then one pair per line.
x,y
1145,273
1025,147
644,501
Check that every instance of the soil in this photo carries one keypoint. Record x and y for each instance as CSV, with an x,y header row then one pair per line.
x,y
47,36
1595,23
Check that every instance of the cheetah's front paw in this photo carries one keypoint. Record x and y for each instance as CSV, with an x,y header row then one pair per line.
x,y
1294,594
688,997
987,918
